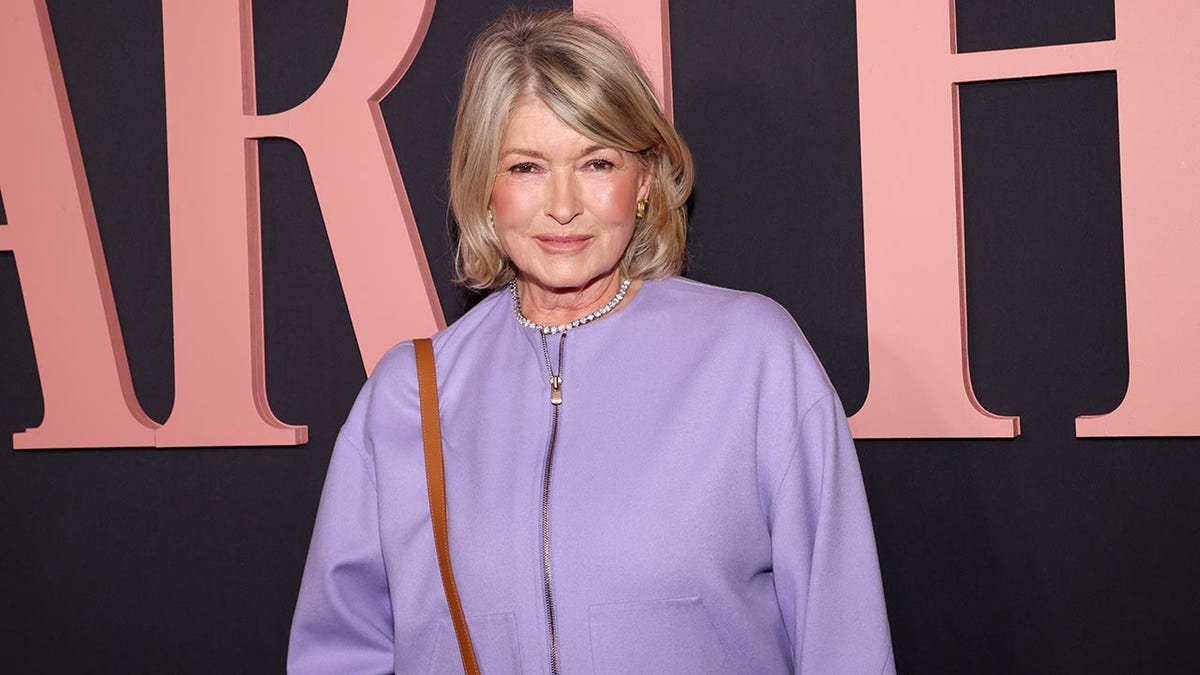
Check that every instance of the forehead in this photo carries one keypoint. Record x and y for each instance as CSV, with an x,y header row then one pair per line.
x,y
533,125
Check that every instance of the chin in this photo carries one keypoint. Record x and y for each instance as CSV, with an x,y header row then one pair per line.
x,y
566,281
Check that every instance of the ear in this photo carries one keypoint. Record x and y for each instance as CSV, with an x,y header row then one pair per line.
x,y
646,177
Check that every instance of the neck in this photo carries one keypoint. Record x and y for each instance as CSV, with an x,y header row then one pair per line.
x,y
553,306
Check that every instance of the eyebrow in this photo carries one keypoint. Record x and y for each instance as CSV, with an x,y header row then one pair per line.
x,y
535,154
522,151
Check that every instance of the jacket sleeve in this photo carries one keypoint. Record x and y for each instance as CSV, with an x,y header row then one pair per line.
x,y
343,619
823,549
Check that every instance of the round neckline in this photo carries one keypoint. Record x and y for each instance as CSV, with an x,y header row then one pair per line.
x,y
615,304
631,300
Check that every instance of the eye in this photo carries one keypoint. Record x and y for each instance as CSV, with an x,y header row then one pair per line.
x,y
523,167
600,164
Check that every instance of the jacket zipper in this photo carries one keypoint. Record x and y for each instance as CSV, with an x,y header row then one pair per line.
x,y
555,403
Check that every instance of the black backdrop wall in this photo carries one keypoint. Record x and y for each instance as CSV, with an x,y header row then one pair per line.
x,y
1045,553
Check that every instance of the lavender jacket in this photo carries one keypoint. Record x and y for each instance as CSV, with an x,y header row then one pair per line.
x,y
706,512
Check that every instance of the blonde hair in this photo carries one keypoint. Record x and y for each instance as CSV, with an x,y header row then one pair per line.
x,y
585,74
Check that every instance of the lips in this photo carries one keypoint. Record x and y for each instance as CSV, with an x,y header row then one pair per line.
x,y
563,243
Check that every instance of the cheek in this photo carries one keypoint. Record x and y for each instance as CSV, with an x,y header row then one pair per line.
x,y
511,202
618,200
501,199
509,215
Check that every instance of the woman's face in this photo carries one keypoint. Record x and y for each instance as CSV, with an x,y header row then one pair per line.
x,y
563,205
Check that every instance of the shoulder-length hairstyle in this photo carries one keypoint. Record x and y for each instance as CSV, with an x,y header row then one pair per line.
x,y
585,74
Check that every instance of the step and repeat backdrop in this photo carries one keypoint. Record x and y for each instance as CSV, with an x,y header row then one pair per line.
x,y
215,217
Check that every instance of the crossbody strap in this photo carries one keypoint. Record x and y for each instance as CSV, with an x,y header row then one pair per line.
x,y
435,479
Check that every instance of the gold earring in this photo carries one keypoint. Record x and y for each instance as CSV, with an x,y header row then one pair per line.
x,y
491,220
640,211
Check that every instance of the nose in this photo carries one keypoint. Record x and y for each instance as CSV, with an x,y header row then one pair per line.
x,y
563,201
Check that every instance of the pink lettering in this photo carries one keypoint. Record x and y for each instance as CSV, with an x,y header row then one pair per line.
x,y
908,76
87,392
645,24
213,162
1158,94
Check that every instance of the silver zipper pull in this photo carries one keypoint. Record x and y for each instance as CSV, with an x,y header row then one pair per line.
x,y
556,390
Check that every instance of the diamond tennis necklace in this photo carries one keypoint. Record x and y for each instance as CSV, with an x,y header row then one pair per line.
x,y
561,328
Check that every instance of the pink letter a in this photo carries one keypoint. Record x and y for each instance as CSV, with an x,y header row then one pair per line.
x,y
86,389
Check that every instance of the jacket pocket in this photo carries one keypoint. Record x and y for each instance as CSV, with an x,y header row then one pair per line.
x,y
494,637
655,636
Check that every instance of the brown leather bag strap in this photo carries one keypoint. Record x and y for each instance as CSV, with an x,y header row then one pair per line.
x,y
435,479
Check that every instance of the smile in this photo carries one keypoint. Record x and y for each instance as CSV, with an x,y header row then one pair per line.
x,y
563,243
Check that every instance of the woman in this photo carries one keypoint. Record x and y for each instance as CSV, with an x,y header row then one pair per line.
x,y
644,473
